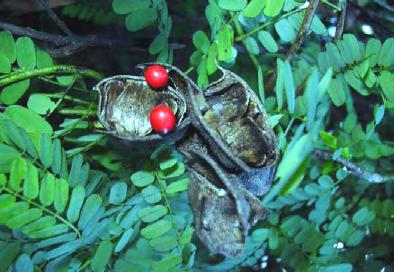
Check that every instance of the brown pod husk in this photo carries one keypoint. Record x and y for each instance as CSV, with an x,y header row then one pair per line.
x,y
223,210
125,103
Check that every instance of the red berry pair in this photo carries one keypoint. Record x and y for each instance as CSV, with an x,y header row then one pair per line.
x,y
161,118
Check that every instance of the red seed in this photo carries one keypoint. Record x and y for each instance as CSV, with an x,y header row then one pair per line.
x,y
156,77
162,119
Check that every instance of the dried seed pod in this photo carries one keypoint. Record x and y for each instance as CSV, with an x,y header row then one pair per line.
x,y
234,123
223,210
125,103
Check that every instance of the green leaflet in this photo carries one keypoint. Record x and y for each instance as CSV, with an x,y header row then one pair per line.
x,y
47,191
151,214
17,173
45,150
61,195
234,5
102,256
76,202
254,8
225,39
142,178
92,205
156,229
25,53
8,47
118,193
140,19
30,184
273,7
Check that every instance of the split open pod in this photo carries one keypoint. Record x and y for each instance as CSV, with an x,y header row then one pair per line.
x,y
223,133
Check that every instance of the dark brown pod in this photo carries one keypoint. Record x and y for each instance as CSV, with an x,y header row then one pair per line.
x,y
223,209
125,103
234,123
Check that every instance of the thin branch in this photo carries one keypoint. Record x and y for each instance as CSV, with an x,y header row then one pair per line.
x,y
306,23
352,168
61,24
68,44
341,19
53,70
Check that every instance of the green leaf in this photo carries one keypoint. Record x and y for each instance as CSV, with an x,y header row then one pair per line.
x,y
386,56
65,80
344,267
317,26
12,93
163,243
76,169
17,173
142,178
202,80
268,41
201,41
127,6
178,186
225,40
386,80
289,86
310,95
294,156
26,53
5,64
24,218
45,150
159,43
102,256
126,237
43,59
7,155
233,5
57,156
40,103
24,264
30,185
379,113
363,216
76,202
279,86
273,239
252,46
172,172
372,51
50,231
151,214
211,59
273,7
61,195
118,193
140,19
47,191
7,46
352,43
285,30
337,92
92,205
29,120
254,8
151,194
9,252
156,229
168,263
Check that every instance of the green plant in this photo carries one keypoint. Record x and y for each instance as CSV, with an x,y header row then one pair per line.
x,y
75,199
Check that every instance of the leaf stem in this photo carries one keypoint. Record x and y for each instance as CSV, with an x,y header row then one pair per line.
x,y
53,70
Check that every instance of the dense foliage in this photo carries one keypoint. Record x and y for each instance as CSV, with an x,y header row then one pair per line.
x,y
74,199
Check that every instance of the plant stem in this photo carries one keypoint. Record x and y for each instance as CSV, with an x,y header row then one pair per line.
x,y
53,70
331,5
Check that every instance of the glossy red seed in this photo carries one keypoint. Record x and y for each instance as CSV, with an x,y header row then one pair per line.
x,y
156,77
162,119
